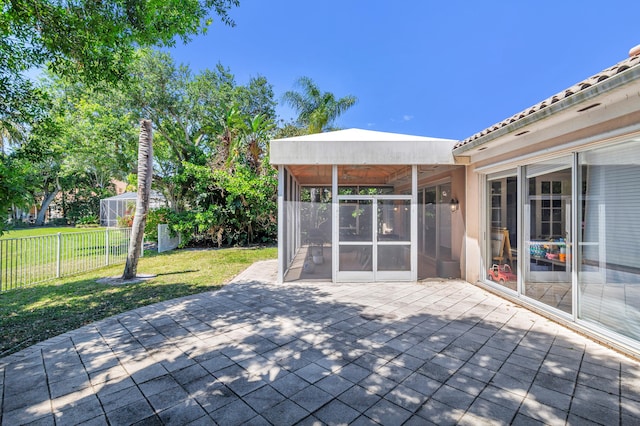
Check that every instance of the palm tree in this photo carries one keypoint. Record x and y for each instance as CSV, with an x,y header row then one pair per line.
x,y
11,133
257,132
145,175
316,110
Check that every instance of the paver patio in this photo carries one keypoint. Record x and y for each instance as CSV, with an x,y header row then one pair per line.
x,y
255,352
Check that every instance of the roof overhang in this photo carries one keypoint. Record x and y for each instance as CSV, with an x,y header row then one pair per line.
x,y
361,147
607,100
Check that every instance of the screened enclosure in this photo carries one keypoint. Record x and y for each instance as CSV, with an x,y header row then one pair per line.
x,y
118,210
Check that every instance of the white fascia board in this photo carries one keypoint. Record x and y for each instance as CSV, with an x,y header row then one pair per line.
x,y
380,148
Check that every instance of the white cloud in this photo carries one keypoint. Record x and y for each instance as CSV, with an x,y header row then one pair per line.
x,y
407,117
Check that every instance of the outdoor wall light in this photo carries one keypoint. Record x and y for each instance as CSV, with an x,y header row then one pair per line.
x,y
454,205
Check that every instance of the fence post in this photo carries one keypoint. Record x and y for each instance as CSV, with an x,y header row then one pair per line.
x,y
59,239
106,246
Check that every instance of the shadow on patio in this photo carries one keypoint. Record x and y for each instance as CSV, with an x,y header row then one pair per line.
x,y
444,352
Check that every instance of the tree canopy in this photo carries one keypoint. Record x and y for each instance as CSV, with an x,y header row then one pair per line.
x,y
88,39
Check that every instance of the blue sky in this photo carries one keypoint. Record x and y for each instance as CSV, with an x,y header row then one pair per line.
x,y
431,68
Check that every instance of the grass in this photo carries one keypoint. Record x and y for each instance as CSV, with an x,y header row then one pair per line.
x,y
31,315
43,230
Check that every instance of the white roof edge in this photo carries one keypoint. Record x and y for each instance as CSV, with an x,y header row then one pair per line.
x,y
356,146
352,135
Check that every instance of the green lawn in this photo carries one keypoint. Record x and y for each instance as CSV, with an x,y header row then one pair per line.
x,y
43,230
31,315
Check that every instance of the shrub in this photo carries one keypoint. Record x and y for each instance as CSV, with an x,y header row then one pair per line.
x,y
88,220
125,221
156,217
58,221
231,208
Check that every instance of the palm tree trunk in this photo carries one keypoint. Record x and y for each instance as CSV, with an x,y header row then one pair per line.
x,y
145,174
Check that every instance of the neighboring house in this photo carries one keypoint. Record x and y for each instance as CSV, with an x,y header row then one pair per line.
x,y
553,192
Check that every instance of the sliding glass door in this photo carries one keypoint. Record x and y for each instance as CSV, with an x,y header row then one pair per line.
x,y
547,232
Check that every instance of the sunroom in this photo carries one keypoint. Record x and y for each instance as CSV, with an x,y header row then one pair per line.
x,y
359,205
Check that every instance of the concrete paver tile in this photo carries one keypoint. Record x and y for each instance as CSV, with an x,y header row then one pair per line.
x,y
286,413
290,384
519,372
23,416
630,408
217,363
555,383
213,398
32,397
394,372
517,385
72,399
235,413
407,361
522,420
73,384
491,411
167,398
312,372
370,361
311,398
263,398
359,398
182,412
336,413
387,413
118,399
596,396
609,385
150,372
436,371
593,411
421,383
96,421
189,374
466,384
81,411
477,372
378,384
502,397
541,412
157,385
406,397
131,413
549,397
440,413
416,420
334,384
453,397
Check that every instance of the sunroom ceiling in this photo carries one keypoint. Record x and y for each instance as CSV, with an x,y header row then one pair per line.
x,y
394,175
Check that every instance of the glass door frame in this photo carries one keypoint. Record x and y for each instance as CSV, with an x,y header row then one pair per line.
x,y
374,274
345,276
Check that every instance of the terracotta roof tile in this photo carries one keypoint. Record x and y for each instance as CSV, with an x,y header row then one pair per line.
x,y
576,88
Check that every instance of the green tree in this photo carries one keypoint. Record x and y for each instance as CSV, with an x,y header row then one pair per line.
x,y
15,186
316,110
197,118
91,40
